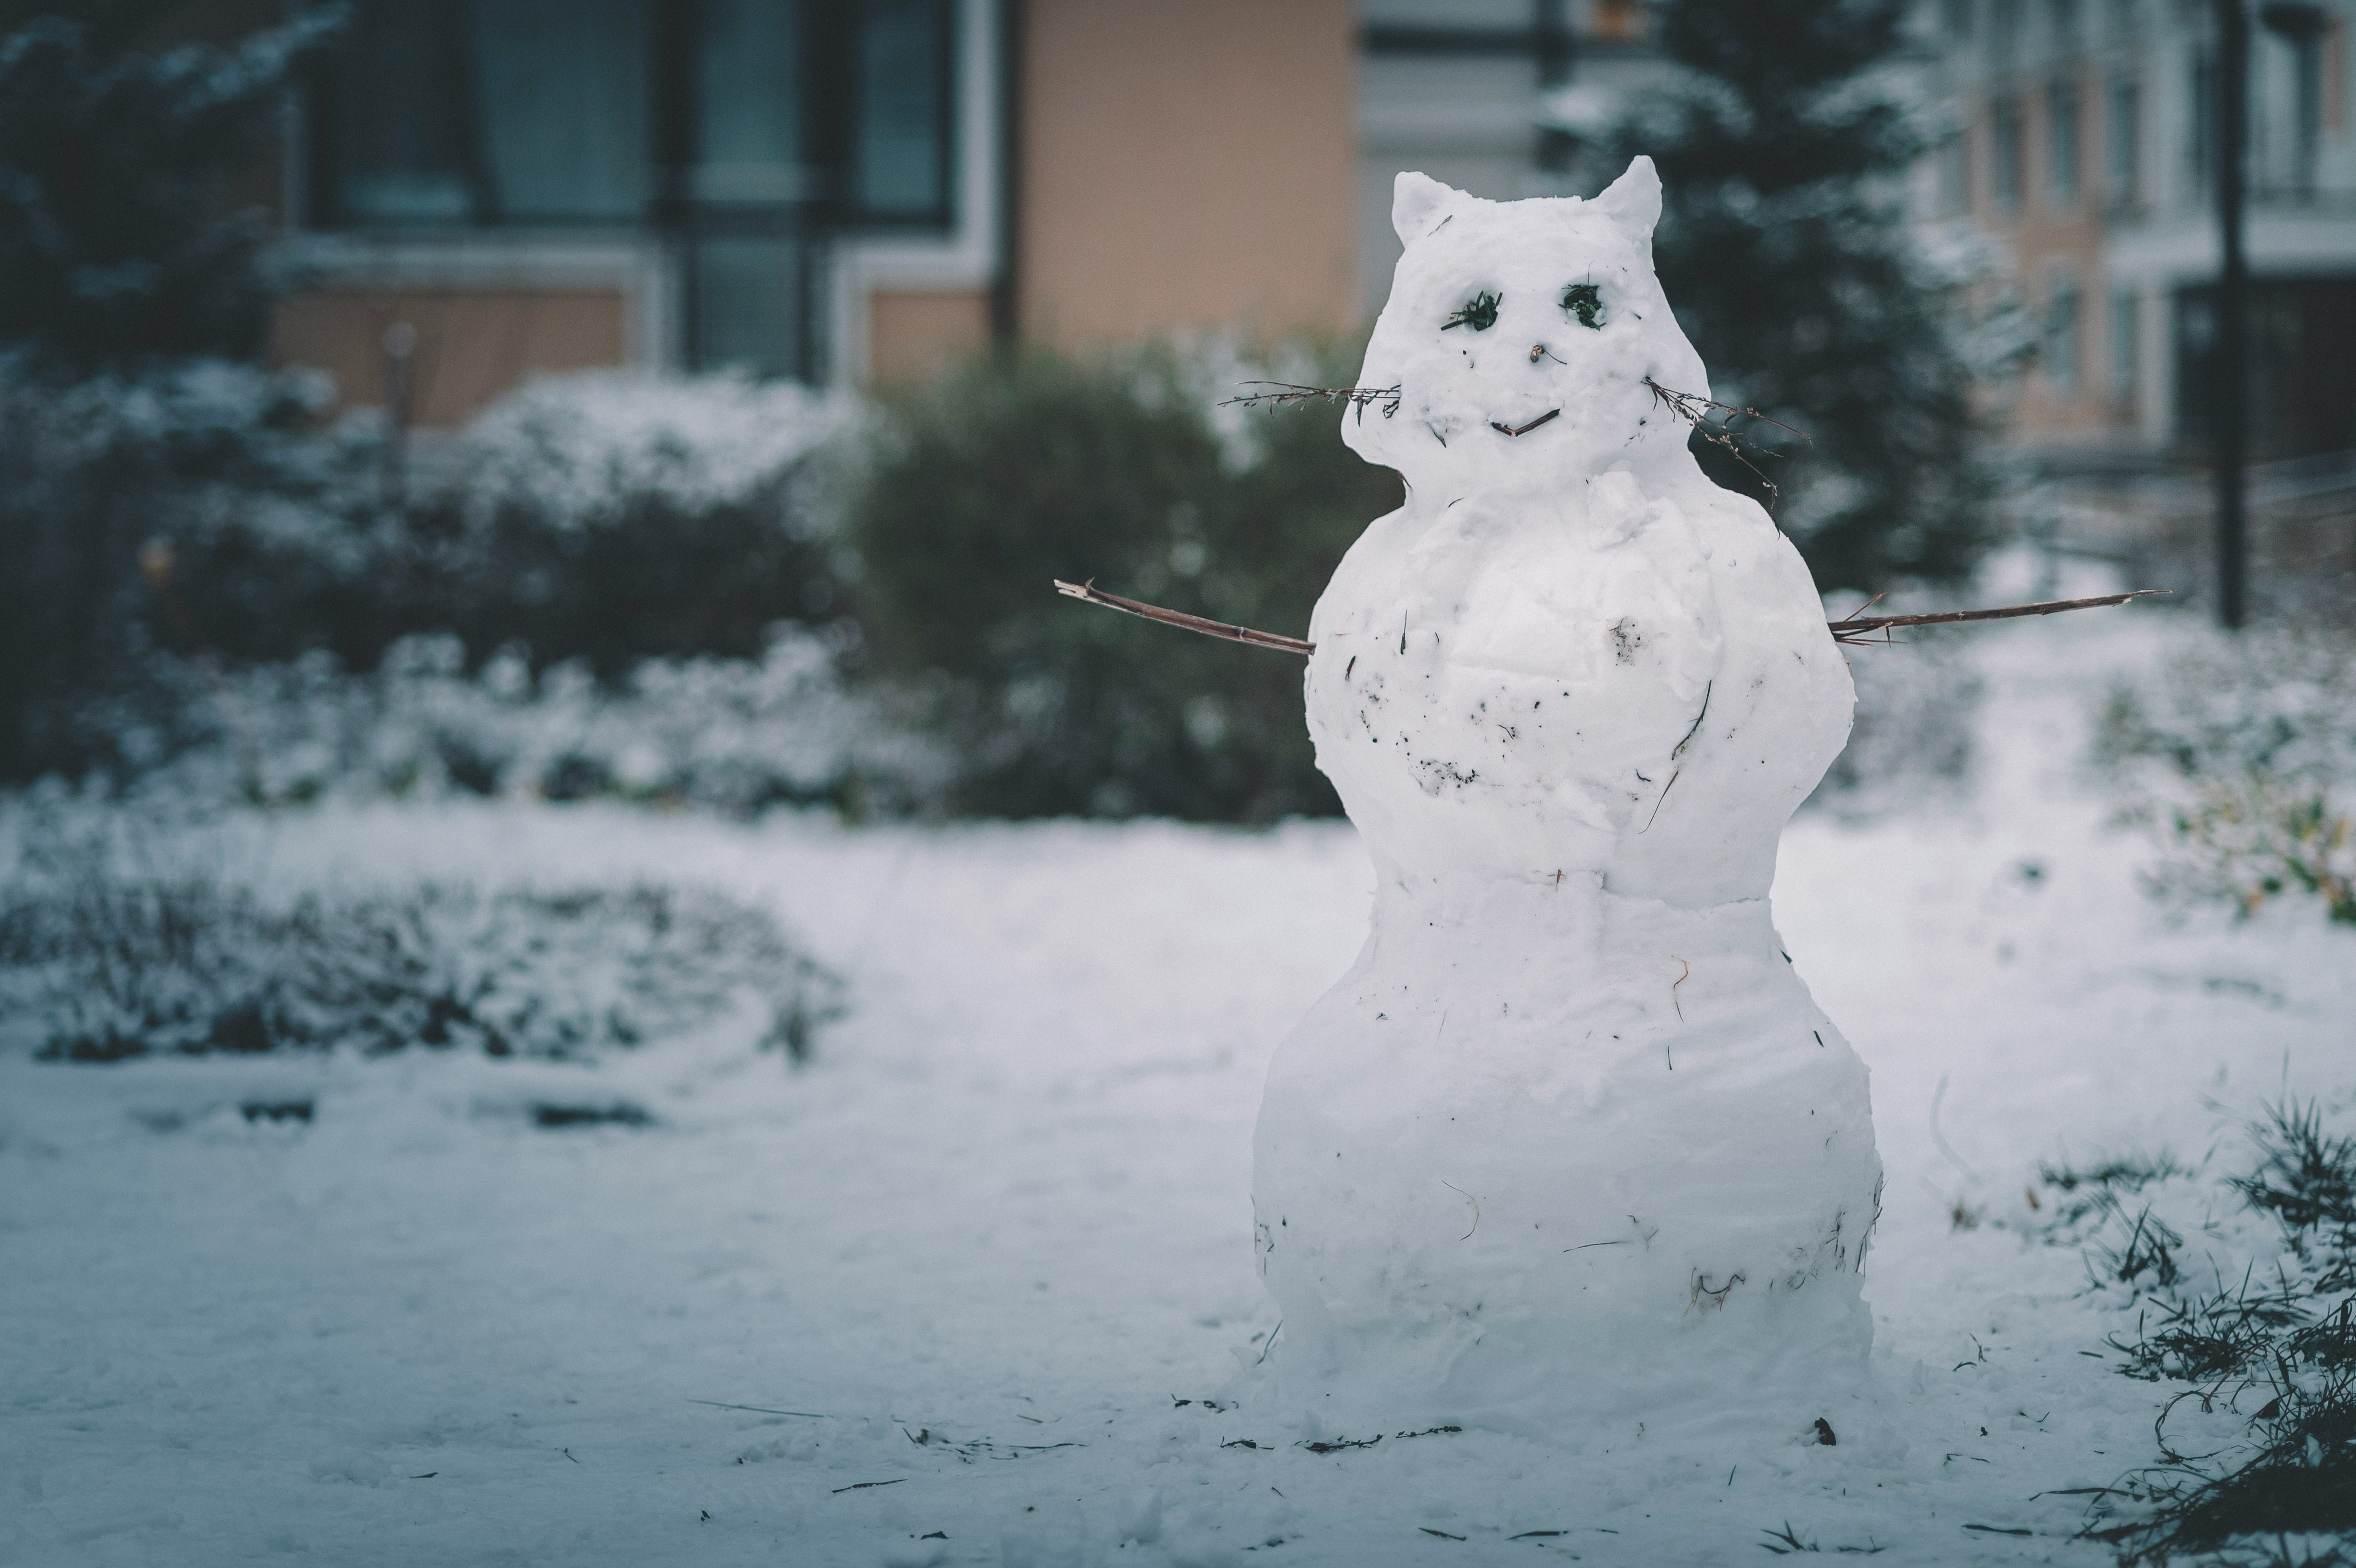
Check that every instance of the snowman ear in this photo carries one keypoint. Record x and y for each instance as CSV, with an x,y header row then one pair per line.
x,y
1633,200
1414,199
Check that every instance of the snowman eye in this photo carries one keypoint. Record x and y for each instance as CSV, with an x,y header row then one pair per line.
x,y
1584,301
1480,313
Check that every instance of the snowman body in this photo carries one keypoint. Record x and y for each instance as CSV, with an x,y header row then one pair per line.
x,y
1570,1141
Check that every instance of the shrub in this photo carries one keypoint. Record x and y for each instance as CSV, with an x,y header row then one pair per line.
x,y
130,286
983,488
102,968
180,536
110,487
733,735
2251,840
616,517
605,516
2240,755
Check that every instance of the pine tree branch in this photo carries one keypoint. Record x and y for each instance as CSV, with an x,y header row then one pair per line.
x,y
1856,632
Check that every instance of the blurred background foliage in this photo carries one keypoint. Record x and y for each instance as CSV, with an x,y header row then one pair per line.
x,y
991,483
131,292
1785,246
121,236
739,592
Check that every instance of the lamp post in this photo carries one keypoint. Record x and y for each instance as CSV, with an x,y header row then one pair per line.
x,y
2232,370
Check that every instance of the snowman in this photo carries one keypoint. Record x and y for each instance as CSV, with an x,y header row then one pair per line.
x,y
1569,1144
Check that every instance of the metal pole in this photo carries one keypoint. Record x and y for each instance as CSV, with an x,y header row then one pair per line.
x,y
1556,48
1006,292
2233,371
400,389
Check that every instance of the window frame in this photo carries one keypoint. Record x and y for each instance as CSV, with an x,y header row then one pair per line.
x,y
2007,152
2123,119
943,214
2064,328
830,87
2064,127
2123,356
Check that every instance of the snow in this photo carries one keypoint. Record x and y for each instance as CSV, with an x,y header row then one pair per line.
x,y
1008,1205
728,734
1569,1149
578,450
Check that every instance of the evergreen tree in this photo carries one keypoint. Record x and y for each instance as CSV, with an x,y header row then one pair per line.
x,y
130,283
1785,249
120,241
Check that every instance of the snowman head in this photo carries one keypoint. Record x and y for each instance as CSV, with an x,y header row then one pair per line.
x,y
1520,335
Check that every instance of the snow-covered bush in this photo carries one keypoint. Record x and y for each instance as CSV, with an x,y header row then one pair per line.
x,y
132,294
982,489
594,588
172,516
97,966
183,506
2241,754
733,735
616,516
580,451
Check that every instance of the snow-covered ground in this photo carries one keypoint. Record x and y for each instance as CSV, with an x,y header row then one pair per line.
x,y
961,1290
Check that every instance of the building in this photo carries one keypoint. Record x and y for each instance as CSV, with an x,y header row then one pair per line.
x,y
847,193
2083,146
2081,149
860,192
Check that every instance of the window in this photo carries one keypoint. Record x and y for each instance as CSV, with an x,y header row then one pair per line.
x,y
2302,366
444,112
901,147
2062,144
2004,154
750,174
745,129
2064,19
2202,153
2058,353
2125,347
2003,32
2122,138
483,112
749,142
2303,29
2121,27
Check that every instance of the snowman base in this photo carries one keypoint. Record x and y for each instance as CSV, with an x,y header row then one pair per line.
x,y
1618,1169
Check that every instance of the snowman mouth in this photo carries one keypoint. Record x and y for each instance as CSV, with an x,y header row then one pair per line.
x,y
1503,428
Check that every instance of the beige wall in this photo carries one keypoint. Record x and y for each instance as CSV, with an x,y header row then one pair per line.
x,y
2048,236
1186,164
913,336
472,344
